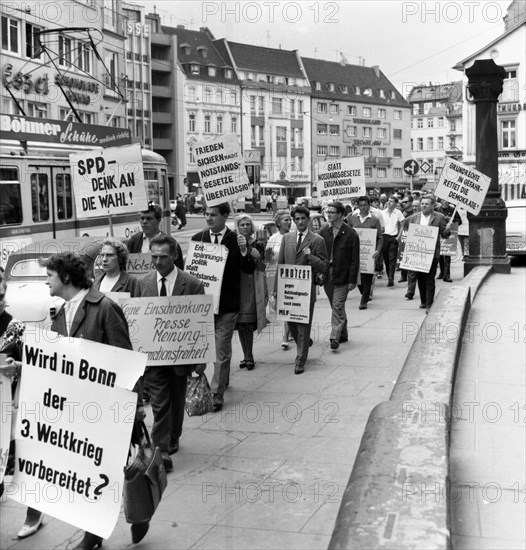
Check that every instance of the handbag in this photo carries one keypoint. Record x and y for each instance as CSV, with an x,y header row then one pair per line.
x,y
198,396
144,481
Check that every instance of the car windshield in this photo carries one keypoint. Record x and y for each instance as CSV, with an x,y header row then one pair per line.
x,y
28,268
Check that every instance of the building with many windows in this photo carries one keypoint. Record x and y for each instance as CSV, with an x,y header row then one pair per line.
x,y
275,113
436,128
508,51
356,111
51,71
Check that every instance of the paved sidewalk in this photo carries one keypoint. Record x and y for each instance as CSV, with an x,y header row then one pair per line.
x,y
269,470
488,439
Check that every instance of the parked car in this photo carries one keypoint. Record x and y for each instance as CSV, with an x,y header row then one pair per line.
x,y
311,203
27,291
516,227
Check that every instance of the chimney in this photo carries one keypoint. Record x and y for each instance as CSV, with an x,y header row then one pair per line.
x,y
180,26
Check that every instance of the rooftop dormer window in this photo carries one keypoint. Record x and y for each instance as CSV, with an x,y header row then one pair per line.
x,y
381,93
367,91
194,68
330,86
212,71
185,48
203,51
228,73
344,89
317,85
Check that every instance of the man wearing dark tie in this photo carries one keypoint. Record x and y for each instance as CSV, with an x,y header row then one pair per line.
x,y
229,300
303,247
167,383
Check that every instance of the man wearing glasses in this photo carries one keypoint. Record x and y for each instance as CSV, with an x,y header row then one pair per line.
x,y
343,249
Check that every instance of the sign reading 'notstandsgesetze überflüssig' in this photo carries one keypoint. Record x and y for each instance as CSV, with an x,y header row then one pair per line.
x,y
462,186
221,169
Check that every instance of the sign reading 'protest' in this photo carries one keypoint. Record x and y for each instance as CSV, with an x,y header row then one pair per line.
x,y
73,430
419,248
367,248
173,330
462,186
340,179
293,293
221,169
109,181
206,262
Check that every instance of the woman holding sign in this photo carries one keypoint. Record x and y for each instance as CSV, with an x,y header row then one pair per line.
x,y
252,315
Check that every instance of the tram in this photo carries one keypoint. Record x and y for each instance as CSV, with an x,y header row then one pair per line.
x,y
37,199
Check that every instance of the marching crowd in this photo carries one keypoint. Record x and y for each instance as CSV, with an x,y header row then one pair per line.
x,y
333,253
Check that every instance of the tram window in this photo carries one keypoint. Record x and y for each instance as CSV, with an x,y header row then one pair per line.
x,y
64,199
40,197
10,197
152,186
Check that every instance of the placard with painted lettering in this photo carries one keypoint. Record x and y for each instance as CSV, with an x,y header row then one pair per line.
x,y
139,264
293,293
108,181
172,330
340,179
419,248
7,409
221,169
206,262
462,185
367,248
73,429
448,247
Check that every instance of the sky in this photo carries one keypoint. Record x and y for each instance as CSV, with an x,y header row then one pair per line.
x,y
412,42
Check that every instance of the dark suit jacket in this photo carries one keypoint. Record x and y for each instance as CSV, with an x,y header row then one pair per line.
x,y
317,259
185,285
125,283
134,244
437,220
345,253
230,300
98,319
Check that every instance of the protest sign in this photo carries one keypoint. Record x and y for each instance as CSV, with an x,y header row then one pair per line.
x,y
401,247
462,186
419,247
367,248
221,169
206,262
73,429
448,247
108,181
172,330
293,293
340,179
139,264
6,407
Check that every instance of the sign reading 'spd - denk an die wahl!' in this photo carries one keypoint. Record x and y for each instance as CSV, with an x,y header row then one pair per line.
x,y
340,179
221,169
109,181
462,186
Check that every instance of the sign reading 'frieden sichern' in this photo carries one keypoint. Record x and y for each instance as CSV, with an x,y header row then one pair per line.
x,y
222,169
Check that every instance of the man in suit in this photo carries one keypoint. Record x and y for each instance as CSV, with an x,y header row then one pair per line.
x,y
167,384
303,247
238,260
150,221
343,248
428,216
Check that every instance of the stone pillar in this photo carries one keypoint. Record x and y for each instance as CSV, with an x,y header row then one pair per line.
x,y
487,231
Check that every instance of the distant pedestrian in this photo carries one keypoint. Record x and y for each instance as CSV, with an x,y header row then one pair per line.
x,y
180,211
392,220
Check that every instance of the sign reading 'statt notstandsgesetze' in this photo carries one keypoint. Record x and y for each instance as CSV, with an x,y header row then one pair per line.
x,y
340,179
108,181
462,186
221,169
